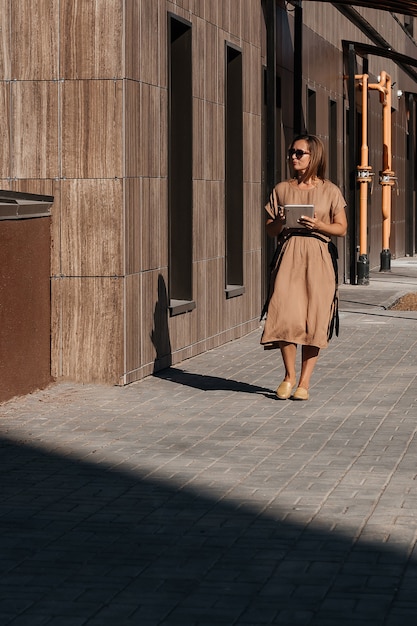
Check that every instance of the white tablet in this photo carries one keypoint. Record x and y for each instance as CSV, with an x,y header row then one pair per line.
x,y
293,212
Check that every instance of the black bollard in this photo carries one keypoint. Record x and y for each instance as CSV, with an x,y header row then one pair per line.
x,y
385,261
363,270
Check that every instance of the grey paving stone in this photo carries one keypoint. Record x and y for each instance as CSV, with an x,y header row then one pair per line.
x,y
196,497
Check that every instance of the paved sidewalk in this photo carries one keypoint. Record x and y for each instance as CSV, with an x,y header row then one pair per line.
x,y
197,498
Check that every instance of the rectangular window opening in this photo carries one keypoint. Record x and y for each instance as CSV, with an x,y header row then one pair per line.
x,y
234,173
180,161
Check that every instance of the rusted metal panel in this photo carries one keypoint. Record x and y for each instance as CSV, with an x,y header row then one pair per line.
x,y
25,309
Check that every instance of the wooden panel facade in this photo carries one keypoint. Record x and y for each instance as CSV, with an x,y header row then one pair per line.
x,y
34,37
85,105
85,97
92,227
92,129
91,37
34,129
87,328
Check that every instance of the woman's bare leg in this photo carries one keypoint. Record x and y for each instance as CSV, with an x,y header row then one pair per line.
x,y
289,354
309,356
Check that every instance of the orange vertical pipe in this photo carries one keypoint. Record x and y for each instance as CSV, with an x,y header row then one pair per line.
x,y
364,175
386,175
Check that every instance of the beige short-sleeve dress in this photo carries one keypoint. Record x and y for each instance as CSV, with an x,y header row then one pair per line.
x,y
301,303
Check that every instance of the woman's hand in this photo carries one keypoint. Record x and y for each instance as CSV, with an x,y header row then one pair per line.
x,y
337,228
311,223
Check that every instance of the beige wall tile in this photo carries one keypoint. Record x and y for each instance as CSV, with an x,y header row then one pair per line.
x,y
252,148
198,138
163,223
252,80
146,130
221,67
88,329
216,217
199,58
163,130
34,129
208,140
56,327
200,219
133,323
146,224
253,281
208,220
212,10
34,39
133,224
215,279
91,39
254,218
92,129
146,41
91,227
214,57
132,44
200,277
224,17
133,114
199,9
207,55
154,226
232,17
5,48
251,28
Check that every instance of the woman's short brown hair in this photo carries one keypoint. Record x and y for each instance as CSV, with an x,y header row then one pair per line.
x,y
317,164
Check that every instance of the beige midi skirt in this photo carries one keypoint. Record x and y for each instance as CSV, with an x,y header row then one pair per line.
x,y
301,304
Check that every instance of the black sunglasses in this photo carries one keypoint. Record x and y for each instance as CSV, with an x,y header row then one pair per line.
x,y
298,153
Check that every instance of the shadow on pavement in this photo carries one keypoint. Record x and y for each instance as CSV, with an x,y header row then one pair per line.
x,y
83,544
211,383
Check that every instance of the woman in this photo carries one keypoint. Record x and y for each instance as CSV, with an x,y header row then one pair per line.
x,y
303,297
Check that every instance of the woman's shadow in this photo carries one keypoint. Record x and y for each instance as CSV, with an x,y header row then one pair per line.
x,y
160,333
163,359
211,383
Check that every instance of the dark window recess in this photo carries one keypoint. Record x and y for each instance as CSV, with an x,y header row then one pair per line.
x,y
234,173
333,141
180,160
311,112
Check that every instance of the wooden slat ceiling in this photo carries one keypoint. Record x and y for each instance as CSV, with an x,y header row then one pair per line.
x,y
406,7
